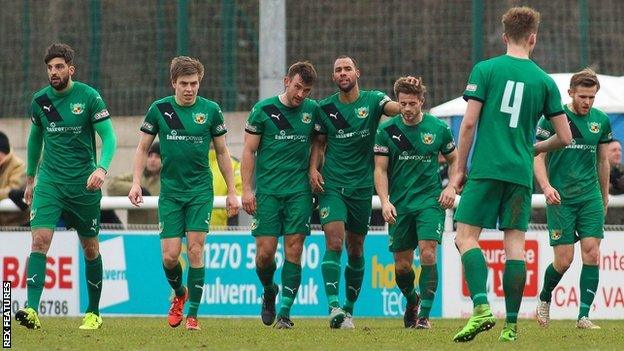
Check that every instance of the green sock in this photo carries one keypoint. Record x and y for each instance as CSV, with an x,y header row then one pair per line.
x,y
551,279
354,275
514,280
265,274
331,276
589,285
174,277
195,282
405,282
476,278
93,271
291,280
428,284
35,278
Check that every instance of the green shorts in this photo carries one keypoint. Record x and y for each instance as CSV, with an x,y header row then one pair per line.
x,y
425,224
351,206
484,202
179,214
79,207
278,215
568,223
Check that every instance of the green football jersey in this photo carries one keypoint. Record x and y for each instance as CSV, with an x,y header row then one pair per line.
x,y
515,93
185,133
350,130
572,170
284,150
413,170
67,119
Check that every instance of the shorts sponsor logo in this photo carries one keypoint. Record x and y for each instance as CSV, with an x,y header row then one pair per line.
x,y
362,112
555,234
199,118
306,118
427,138
594,127
254,224
102,114
77,108
471,87
324,212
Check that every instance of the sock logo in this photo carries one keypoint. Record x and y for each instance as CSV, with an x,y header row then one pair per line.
x,y
591,292
355,291
174,280
334,284
199,287
96,285
292,291
32,279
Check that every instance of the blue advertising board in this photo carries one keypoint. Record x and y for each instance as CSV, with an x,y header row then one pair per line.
x,y
134,281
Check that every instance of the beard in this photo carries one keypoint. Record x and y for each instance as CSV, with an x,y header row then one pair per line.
x,y
348,88
59,84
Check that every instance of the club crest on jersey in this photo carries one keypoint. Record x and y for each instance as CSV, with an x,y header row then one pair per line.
x,y
77,108
555,234
306,118
199,118
427,138
324,212
362,112
594,127
254,224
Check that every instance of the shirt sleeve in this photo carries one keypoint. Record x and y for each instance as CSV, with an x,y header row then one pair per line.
x,y
255,122
476,88
218,124
544,129
381,143
150,124
97,109
607,134
381,100
319,124
553,105
35,113
448,144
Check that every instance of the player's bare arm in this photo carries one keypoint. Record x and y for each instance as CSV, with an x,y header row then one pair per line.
x,y
466,135
604,171
140,157
225,166
562,138
447,197
541,175
319,142
381,185
248,198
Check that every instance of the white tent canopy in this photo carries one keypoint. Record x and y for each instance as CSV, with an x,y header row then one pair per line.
x,y
609,99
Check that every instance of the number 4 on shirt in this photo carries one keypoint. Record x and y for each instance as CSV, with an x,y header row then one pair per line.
x,y
506,107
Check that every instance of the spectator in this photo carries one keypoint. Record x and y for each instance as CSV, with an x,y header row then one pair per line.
x,y
219,216
616,180
121,184
12,176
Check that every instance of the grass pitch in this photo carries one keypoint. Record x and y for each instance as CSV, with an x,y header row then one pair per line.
x,y
120,333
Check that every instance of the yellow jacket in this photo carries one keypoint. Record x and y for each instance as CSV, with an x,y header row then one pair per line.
x,y
219,216
12,176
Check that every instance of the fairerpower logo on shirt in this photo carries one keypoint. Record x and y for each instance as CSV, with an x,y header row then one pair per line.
x,y
173,135
52,128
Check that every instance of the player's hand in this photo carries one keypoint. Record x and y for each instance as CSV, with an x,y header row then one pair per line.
x,y
389,212
96,179
459,186
232,205
316,181
28,191
136,195
447,197
412,80
249,202
552,196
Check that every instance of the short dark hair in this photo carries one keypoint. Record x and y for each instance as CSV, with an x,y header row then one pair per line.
x,y
355,64
305,70
61,50
5,146
185,66
154,149
586,78
405,86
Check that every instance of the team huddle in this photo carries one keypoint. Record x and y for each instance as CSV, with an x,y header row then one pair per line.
x,y
339,149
